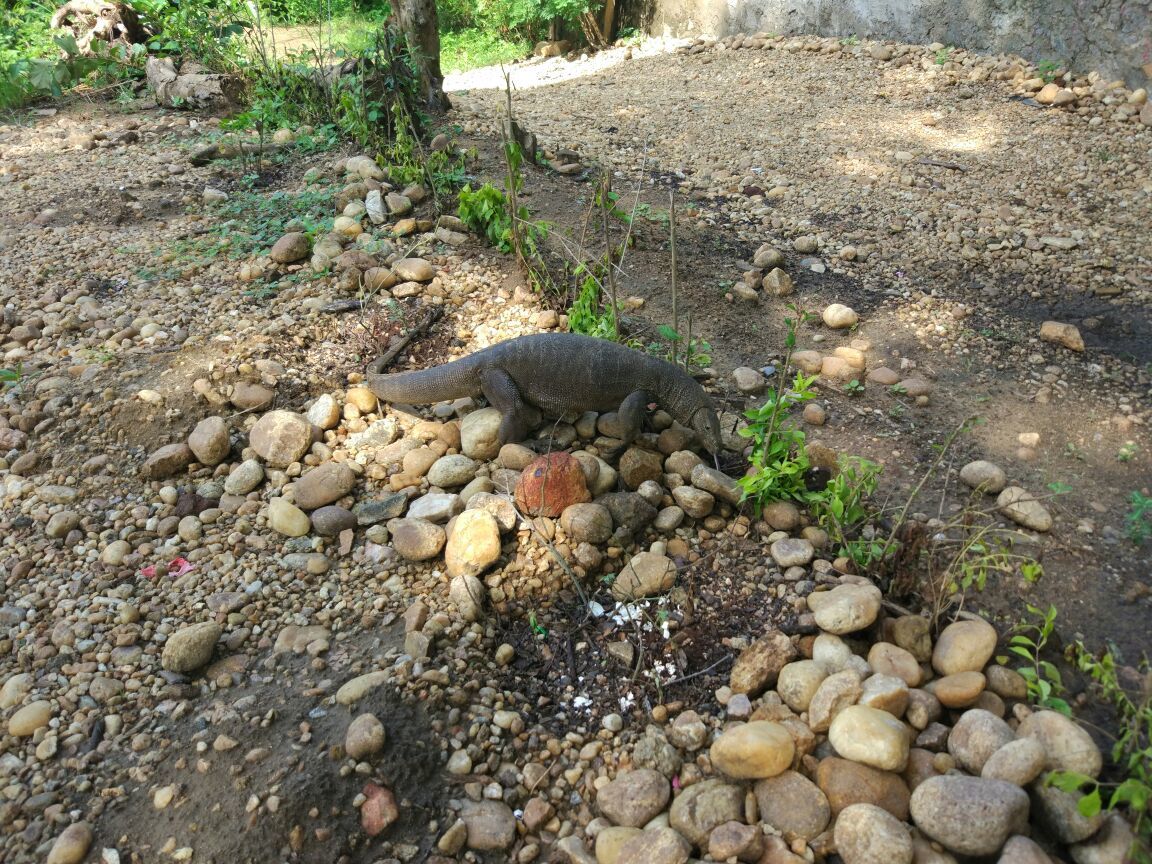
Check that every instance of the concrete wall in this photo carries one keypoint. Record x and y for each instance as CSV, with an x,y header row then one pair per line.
x,y
1112,36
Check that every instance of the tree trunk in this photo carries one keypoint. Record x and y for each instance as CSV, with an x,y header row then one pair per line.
x,y
418,21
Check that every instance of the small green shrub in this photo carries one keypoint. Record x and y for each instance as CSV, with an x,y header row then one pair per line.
x,y
1131,752
1047,70
1138,520
485,211
691,352
1045,684
778,459
586,315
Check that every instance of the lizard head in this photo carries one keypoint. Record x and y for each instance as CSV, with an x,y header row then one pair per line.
x,y
706,425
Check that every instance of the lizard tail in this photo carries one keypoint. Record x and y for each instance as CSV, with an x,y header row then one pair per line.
x,y
424,386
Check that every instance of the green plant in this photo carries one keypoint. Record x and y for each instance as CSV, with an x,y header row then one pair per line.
x,y
586,316
692,351
1045,684
208,32
11,377
1138,520
653,214
850,40
855,387
840,508
1131,751
485,211
778,459
1047,70
629,36
943,54
1127,451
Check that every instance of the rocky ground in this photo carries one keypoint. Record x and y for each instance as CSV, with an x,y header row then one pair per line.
x,y
249,613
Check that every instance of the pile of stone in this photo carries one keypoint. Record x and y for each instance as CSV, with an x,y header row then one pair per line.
x,y
373,219
868,740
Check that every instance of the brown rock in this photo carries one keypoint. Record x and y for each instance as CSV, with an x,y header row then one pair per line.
x,y
647,574
758,666
550,484
703,806
248,396
751,751
323,485
290,248
845,783
793,805
167,461
959,690
638,465
209,441
474,544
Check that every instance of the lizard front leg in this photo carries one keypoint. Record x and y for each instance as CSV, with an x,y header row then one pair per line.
x,y
503,395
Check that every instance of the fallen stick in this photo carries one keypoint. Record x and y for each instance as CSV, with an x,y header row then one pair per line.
x,y
226,150
936,163
385,360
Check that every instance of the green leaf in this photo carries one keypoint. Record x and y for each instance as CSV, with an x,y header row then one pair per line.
x,y
1068,781
1089,805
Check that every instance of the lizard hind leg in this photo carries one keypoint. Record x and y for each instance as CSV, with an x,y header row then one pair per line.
x,y
630,420
515,414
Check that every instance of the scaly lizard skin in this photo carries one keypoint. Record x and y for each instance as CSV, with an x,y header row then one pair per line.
x,y
560,374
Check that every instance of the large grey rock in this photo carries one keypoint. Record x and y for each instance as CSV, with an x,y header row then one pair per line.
x,y
1109,845
634,798
976,736
866,834
1023,508
1067,745
969,815
1018,762
1058,813
703,806
323,485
